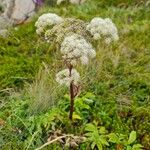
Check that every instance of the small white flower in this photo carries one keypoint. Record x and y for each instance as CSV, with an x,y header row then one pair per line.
x,y
96,36
92,53
84,60
65,78
108,41
46,20
73,62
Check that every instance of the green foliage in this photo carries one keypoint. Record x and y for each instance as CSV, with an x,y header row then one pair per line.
x,y
117,82
100,138
132,137
22,130
96,136
128,144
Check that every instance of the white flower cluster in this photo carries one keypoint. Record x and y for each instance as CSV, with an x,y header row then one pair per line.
x,y
103,28
65,78
46,20
75,48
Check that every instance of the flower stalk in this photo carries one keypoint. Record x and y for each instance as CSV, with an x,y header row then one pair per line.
x,y
72,95
71,101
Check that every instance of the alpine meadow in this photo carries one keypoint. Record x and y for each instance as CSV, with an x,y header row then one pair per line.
x,y
76,76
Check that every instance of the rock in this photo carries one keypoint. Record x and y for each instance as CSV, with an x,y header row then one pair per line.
x,y
22,10
14,12
4,33
2,6
9,6
4,23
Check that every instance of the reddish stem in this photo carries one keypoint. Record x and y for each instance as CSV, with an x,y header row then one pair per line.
x,y
71,96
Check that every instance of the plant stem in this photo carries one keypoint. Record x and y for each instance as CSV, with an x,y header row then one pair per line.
x,y
71,101
71,96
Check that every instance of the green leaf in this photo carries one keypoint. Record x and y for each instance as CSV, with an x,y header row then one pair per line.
x,y
89,101
90,127
93,145
89,134
102,130
113,138
129,147
76,116
132,137
89,95
103,140
99,145
137,147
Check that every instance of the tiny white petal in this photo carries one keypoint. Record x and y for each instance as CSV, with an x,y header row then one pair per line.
x,y
84,60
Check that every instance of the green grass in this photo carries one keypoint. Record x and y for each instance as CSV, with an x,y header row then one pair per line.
x,y
119,77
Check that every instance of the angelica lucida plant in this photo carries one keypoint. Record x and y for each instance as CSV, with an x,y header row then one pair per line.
x,y
74,49
74,37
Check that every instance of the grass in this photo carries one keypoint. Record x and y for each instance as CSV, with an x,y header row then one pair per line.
x,y
44,92
119,77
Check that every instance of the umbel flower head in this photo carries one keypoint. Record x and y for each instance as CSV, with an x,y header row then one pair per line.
x,y
103,28
47,20
64,77
75,47
67,27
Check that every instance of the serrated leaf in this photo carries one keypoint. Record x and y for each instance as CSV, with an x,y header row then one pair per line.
x,y
89,134
76,117
137,147
90,127
102,130
113,138
132,137
99,145
103,140
93,145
